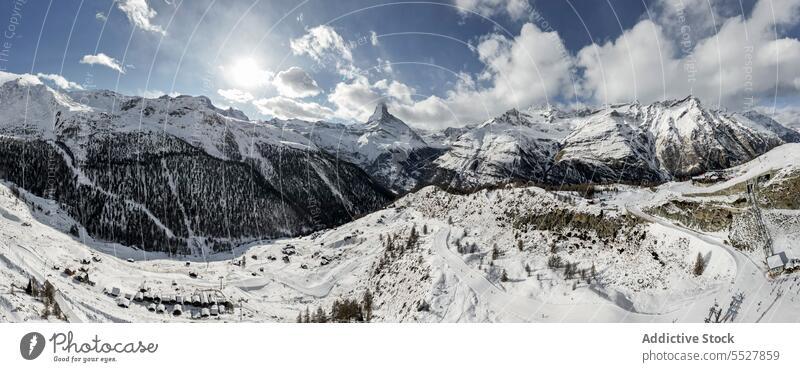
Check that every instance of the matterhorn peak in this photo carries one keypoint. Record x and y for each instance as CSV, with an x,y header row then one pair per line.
x,y
381,113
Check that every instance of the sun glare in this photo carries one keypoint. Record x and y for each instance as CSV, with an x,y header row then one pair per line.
x,y
245,72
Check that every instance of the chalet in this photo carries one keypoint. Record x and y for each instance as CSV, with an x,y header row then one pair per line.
x,y
138,297
160,309
214,310
151,307
792,261
177,310
115,292
205,312
123,302
776,263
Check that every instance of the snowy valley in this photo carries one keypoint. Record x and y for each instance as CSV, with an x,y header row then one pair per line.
x,y
124,209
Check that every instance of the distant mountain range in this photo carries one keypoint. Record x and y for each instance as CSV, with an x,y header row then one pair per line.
x,y
183,176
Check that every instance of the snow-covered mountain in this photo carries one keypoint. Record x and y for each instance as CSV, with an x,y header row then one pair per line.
x,y
173,174
515,145
632,143
385,147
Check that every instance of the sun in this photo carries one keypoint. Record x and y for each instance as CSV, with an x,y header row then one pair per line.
x,y
246,73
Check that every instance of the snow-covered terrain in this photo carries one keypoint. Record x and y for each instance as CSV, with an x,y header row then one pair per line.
x,y
513,254
104,195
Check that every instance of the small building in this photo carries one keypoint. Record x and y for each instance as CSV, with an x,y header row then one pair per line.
x,y
203,299
151,307
177,310
196,299
205,312
160,309
776,263
214,310
115,292
792,261
123,302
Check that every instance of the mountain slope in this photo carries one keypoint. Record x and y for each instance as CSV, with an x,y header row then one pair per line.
x,y
628,143
173,174
385,147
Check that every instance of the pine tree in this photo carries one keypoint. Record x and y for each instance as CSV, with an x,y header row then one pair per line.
x,y
699,265
504,276
320,316
307,317
528,269
367,305
300,316
519,245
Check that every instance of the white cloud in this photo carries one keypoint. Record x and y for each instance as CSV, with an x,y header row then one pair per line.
x,y
528,69
60,81
373,38
235,95
384,65
25,79
354,100
287,108
742,61
325,45
516,9
397,91
140,15
296,83
100,16
103,60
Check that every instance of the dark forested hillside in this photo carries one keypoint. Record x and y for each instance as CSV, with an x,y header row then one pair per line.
x,y
159,193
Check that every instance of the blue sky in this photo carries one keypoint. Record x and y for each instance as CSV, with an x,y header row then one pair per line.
x,y
448,62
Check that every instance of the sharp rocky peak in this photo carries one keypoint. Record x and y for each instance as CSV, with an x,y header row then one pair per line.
x,y
381,113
